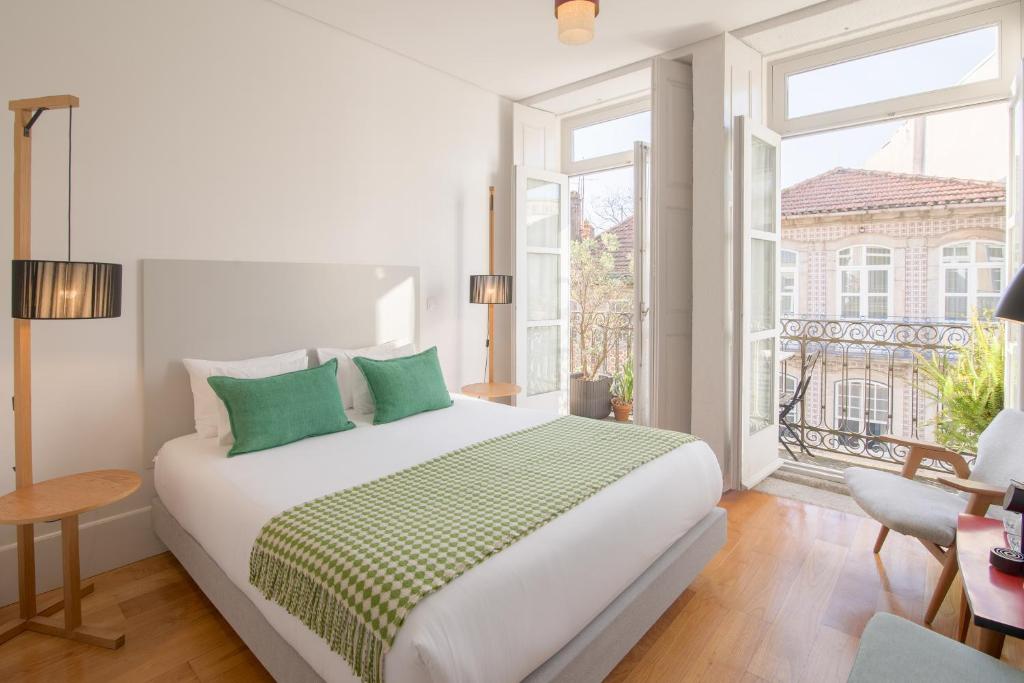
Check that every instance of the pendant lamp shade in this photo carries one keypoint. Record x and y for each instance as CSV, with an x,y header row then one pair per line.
x,y
576,19
490,289
65,290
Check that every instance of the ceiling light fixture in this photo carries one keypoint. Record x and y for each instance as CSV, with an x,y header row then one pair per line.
x,y
576,20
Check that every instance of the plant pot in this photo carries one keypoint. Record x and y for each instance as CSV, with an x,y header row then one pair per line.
x,y
590,397
622,411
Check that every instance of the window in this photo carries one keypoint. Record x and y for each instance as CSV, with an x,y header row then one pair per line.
x,y
972,278
610,137
862,407
957,61
865,281
788,260
907,70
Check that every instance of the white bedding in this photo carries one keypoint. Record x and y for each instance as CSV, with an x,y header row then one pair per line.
x,y
500,620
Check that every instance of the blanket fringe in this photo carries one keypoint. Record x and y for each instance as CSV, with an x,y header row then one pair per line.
x,y
321,611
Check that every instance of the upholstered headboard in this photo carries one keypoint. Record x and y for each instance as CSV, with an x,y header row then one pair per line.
x,y
227,310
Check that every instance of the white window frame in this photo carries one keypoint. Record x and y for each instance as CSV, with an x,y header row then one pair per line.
x,y
972,274
608,161
793,270
1007,17
862,417
864,269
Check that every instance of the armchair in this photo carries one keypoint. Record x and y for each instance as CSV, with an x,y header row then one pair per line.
x,y
929,513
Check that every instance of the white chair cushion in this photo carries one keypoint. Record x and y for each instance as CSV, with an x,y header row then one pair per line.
x,y
1000,457
905,505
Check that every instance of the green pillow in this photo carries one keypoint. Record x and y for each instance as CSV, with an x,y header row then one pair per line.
x,y
278,410
405,386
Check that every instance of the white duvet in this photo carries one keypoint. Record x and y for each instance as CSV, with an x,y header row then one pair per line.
x,y
500,620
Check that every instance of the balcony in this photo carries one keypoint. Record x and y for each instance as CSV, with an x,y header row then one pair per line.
x,y
865,381
609,340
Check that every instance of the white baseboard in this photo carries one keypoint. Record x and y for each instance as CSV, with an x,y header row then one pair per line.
x,y
105,544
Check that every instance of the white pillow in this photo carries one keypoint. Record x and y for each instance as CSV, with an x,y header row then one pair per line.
x,y
349,375
207,406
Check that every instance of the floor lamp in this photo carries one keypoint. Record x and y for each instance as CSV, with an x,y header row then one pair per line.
x,y
52,290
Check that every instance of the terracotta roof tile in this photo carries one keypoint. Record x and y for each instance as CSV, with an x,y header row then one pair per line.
x,y
847,189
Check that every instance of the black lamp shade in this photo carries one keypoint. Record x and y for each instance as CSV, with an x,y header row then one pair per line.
x,y
1011,305
65,290
490,289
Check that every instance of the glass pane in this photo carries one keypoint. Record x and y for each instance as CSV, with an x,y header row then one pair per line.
x,y
543,287
987,305
846,257
787,305
878,256
989,253
956,280
878,281
878,306
850,282
762,179
610,137
762,285
896,73
788,282
602,201
850,307
956,308
990,280
543,214
956,253
545,359
762,384
788,257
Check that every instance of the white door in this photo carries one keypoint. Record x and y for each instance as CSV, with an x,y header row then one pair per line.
x,y
759,219
541,298
1014,373
642,282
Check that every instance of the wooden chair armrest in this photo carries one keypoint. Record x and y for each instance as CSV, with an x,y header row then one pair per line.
x,y
921,450
982,494
978,488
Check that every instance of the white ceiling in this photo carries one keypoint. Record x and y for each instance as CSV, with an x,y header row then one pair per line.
x,y
510,47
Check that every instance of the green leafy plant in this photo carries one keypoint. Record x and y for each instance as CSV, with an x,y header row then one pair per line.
x,y
622,385
968,386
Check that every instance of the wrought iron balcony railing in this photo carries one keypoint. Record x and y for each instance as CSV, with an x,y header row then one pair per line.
x,y
865,381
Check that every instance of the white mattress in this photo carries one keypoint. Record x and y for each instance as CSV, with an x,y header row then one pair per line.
x,y
500,620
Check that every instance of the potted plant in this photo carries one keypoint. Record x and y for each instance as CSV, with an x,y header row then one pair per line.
x,y
968,388
592,284
622,392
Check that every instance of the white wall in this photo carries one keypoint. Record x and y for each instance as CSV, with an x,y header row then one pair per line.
x,y
728,79
229,130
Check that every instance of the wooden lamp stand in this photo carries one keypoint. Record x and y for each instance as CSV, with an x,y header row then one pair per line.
x,y
490,389
63,498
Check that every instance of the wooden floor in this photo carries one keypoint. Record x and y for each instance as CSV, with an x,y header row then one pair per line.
x,y
786,600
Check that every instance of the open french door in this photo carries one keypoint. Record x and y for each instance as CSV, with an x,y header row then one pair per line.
x,y
641,282
758,222
1014,372
541,248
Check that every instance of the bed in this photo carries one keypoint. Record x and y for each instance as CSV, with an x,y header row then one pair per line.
x,y
564,603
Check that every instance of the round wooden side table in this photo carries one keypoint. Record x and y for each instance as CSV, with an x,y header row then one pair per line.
x,y
491,390
63,498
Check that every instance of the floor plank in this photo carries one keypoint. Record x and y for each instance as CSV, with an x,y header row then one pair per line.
x,y
785,600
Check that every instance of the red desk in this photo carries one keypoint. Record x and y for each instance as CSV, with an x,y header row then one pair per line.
x,y
995,599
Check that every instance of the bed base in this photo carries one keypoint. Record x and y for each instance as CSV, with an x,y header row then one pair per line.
x,y
588,657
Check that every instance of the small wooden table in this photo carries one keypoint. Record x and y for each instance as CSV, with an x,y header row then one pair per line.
x,y
491,390
995,599
63,498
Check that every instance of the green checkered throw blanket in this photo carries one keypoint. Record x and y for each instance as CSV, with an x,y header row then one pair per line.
x,y
352,564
